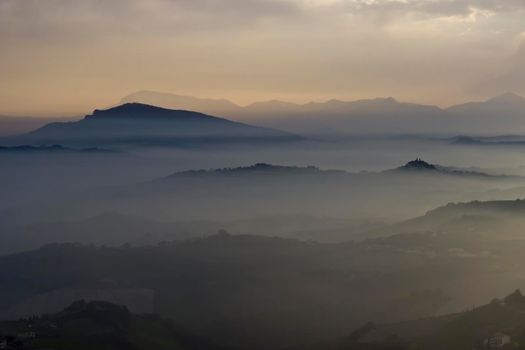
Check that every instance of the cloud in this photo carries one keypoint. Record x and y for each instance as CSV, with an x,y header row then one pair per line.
x,y
90,52
32,19
55,19
433,8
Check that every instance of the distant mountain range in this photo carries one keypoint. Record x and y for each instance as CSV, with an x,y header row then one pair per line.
x,y
139,124
498,115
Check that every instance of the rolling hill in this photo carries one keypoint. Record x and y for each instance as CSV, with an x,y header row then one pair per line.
x,y
99,325
497,325
266,190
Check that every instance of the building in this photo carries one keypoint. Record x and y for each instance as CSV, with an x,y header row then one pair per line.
x,y
496,341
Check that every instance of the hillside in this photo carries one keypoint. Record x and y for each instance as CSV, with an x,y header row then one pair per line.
x,y
286,292
498,325
466,225
266,190
99,325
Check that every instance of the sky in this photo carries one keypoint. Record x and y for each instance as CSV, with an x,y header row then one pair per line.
x,y
68,57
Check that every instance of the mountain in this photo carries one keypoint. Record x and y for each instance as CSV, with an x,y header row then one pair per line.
x,y
498,115
99,325
273,108
219,107
367,106
17,125
502,114
508,102
140,124
333,116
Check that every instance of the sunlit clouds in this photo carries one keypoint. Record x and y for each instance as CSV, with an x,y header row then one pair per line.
x,y
67,57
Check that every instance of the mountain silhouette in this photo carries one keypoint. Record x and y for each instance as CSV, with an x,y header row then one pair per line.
x,y
498,115
146,125
190,103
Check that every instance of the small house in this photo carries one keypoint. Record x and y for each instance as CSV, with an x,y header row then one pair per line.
x,y
496,341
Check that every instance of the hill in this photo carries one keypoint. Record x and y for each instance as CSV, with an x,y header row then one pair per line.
x,y
266,190
286,292
500,219
498,325
220,107
144,125
99,325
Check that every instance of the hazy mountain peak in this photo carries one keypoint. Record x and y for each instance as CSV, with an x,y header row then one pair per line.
x,y
271,106
145,124
508,97
137,110
174,101
148,93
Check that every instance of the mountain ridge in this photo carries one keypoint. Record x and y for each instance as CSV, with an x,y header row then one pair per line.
x,y
500,114
142,124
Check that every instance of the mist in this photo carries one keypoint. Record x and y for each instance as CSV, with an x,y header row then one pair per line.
x,y
262,175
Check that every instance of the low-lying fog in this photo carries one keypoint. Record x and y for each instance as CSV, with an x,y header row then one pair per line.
x,y
309,253
62,185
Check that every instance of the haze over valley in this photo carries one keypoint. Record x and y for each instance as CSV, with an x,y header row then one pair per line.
x,y
262,175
